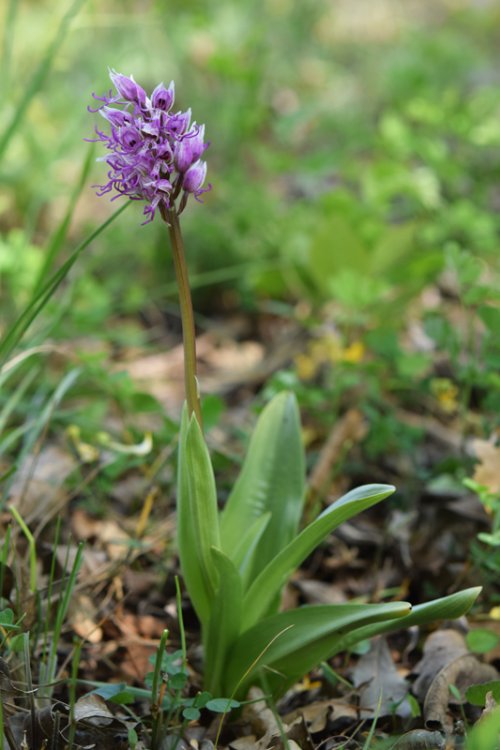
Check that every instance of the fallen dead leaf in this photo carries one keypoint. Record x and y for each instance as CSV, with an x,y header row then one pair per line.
x,y
382,689
114,539
82,618
440,648
487,471
463,672
38,488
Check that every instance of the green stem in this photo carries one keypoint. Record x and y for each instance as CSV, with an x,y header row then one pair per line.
x,y
187,318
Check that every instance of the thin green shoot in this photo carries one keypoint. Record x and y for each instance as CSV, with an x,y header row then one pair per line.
x,y
369,738
156,695
5,548
182,632
49,669
73,681
52,573
272,706
29,684
334,677
243,678
31,547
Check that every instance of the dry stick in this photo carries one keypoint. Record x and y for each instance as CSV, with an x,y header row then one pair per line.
x,y
187,318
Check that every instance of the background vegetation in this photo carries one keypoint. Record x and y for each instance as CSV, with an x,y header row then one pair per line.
x,y
348,251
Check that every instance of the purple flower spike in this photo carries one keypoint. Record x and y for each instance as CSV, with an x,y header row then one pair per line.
x,y
152,155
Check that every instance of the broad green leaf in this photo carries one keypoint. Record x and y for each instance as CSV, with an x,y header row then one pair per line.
x,y
225,620
396,242
335,246
294,642
245,553
446,608
262,593
197,521
271,481
222,705
476,694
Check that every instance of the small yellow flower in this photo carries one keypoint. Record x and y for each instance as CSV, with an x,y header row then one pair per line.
x,y
354,353
306,366
446,394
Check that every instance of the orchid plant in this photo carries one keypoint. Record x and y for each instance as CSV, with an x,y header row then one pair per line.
x,y
236,563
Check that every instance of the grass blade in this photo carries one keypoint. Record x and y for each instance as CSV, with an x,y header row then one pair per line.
x,y
36,305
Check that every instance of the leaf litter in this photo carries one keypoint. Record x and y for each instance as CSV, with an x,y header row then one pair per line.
x,y
124,599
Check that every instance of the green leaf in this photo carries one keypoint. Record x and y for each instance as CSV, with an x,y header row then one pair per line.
x,y
262,593
225,620
222,705
197,521
396,242
191,714
446,608
335,246
294,642
271,481
117,692
484,735
481,640
246,550
476,694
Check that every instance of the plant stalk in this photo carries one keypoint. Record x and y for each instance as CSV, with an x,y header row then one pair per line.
x,y
187,317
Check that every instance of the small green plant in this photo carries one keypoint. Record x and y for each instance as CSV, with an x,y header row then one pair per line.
x,y
235,564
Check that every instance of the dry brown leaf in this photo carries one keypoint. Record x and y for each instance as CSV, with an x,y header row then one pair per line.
x,y
463,672
258,714
320,714
382,689
440,649
82,618
37,490
487,471
115,540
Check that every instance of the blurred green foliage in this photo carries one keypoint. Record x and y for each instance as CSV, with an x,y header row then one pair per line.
x,y
355,163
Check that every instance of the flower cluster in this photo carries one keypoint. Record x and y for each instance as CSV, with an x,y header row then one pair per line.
x,y
154,153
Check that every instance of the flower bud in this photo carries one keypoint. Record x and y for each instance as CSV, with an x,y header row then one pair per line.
x,y
195,177
128,88
189,149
